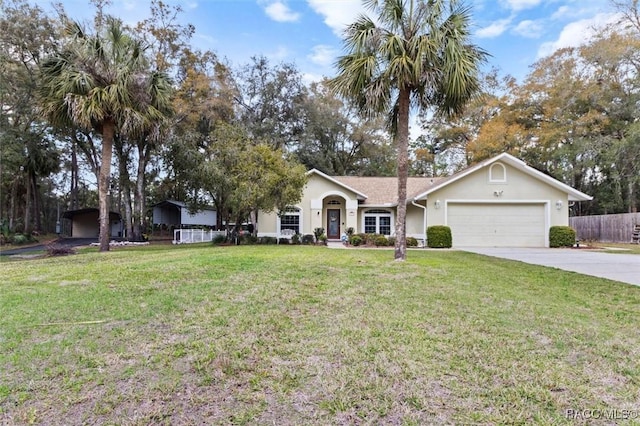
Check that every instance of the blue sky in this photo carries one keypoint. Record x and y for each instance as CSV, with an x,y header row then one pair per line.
x,y
307,32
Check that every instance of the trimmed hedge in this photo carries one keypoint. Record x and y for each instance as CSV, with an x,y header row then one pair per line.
x,y
355,240
562,236
439,236
380,241
412,242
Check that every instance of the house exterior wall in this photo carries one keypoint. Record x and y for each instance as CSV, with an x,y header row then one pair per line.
x,y
518,188
203,217
314,204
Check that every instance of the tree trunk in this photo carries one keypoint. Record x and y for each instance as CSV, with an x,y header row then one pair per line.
x,y
37,204
108,131
125,185
12,204
140,204
28,206
74,174
402,144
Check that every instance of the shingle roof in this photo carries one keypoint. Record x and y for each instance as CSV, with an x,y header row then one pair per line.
x,y
384,190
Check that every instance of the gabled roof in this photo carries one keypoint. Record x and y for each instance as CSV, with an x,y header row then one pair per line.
x,y
383,191
361,196
574,194
378,191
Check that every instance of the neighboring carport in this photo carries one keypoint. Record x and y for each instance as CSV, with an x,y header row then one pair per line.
x,y
85,223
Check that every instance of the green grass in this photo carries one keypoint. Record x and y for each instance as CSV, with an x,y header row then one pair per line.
x,y
626,247
310,335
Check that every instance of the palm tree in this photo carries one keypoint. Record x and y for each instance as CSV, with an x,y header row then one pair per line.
x,y
101,83
416,54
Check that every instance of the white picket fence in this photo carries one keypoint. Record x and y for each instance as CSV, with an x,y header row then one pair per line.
x,y
189,236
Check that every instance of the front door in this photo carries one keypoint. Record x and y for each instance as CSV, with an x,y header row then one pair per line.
x,y
333,224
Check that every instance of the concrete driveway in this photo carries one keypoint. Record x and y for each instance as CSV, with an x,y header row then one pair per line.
x,y
614,266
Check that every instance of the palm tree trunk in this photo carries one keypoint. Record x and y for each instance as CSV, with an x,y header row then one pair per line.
x,y
108,131
402,144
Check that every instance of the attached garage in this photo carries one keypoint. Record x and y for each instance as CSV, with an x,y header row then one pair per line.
x,y
498,224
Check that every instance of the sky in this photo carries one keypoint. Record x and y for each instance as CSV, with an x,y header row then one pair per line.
x,y
516,33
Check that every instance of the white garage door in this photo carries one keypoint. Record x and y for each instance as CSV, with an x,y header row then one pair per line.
x,y
497,225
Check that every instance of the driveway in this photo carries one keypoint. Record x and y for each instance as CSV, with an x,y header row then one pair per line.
x,y
614,266
66,242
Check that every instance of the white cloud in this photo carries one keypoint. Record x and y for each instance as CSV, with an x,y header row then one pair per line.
x,y
517,5
577,33
338,13
323,55
279,11
529,29
561,12
495,29
280,54
308,78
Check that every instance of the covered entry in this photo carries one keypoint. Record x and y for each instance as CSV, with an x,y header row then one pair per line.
x,y
498,224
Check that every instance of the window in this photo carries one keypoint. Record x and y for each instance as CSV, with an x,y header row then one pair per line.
x,y
291,219
497,173
334,203
377,222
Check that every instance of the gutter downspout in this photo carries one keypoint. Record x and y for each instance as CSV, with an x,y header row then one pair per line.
x,y
424,225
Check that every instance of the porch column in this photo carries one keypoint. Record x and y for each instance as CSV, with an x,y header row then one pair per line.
x,y
351,208
316,214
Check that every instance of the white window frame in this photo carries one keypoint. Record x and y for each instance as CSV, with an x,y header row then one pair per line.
x,y
502,179
377,214
291,211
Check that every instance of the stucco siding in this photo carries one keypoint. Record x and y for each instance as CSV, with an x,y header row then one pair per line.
x,y
415,221
317,192
519,187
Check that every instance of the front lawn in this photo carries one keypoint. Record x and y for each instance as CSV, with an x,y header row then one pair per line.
x,y
310,335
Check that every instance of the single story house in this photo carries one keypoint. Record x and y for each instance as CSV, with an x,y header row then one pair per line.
x,y
85,223
500,202
176,214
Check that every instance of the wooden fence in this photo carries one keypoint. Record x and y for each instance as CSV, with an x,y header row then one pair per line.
x,y
608,228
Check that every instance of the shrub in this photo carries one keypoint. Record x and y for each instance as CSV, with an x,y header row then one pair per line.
x,y
562,236
218,239
308,239
295,239
380,241
59,250
248,239
268,240
412,242
19,239
439,236
317,232
355,240
369,239
391,241
322,239
350,231
284,241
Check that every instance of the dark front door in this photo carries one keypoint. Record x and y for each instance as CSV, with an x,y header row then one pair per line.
x,y
333,224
